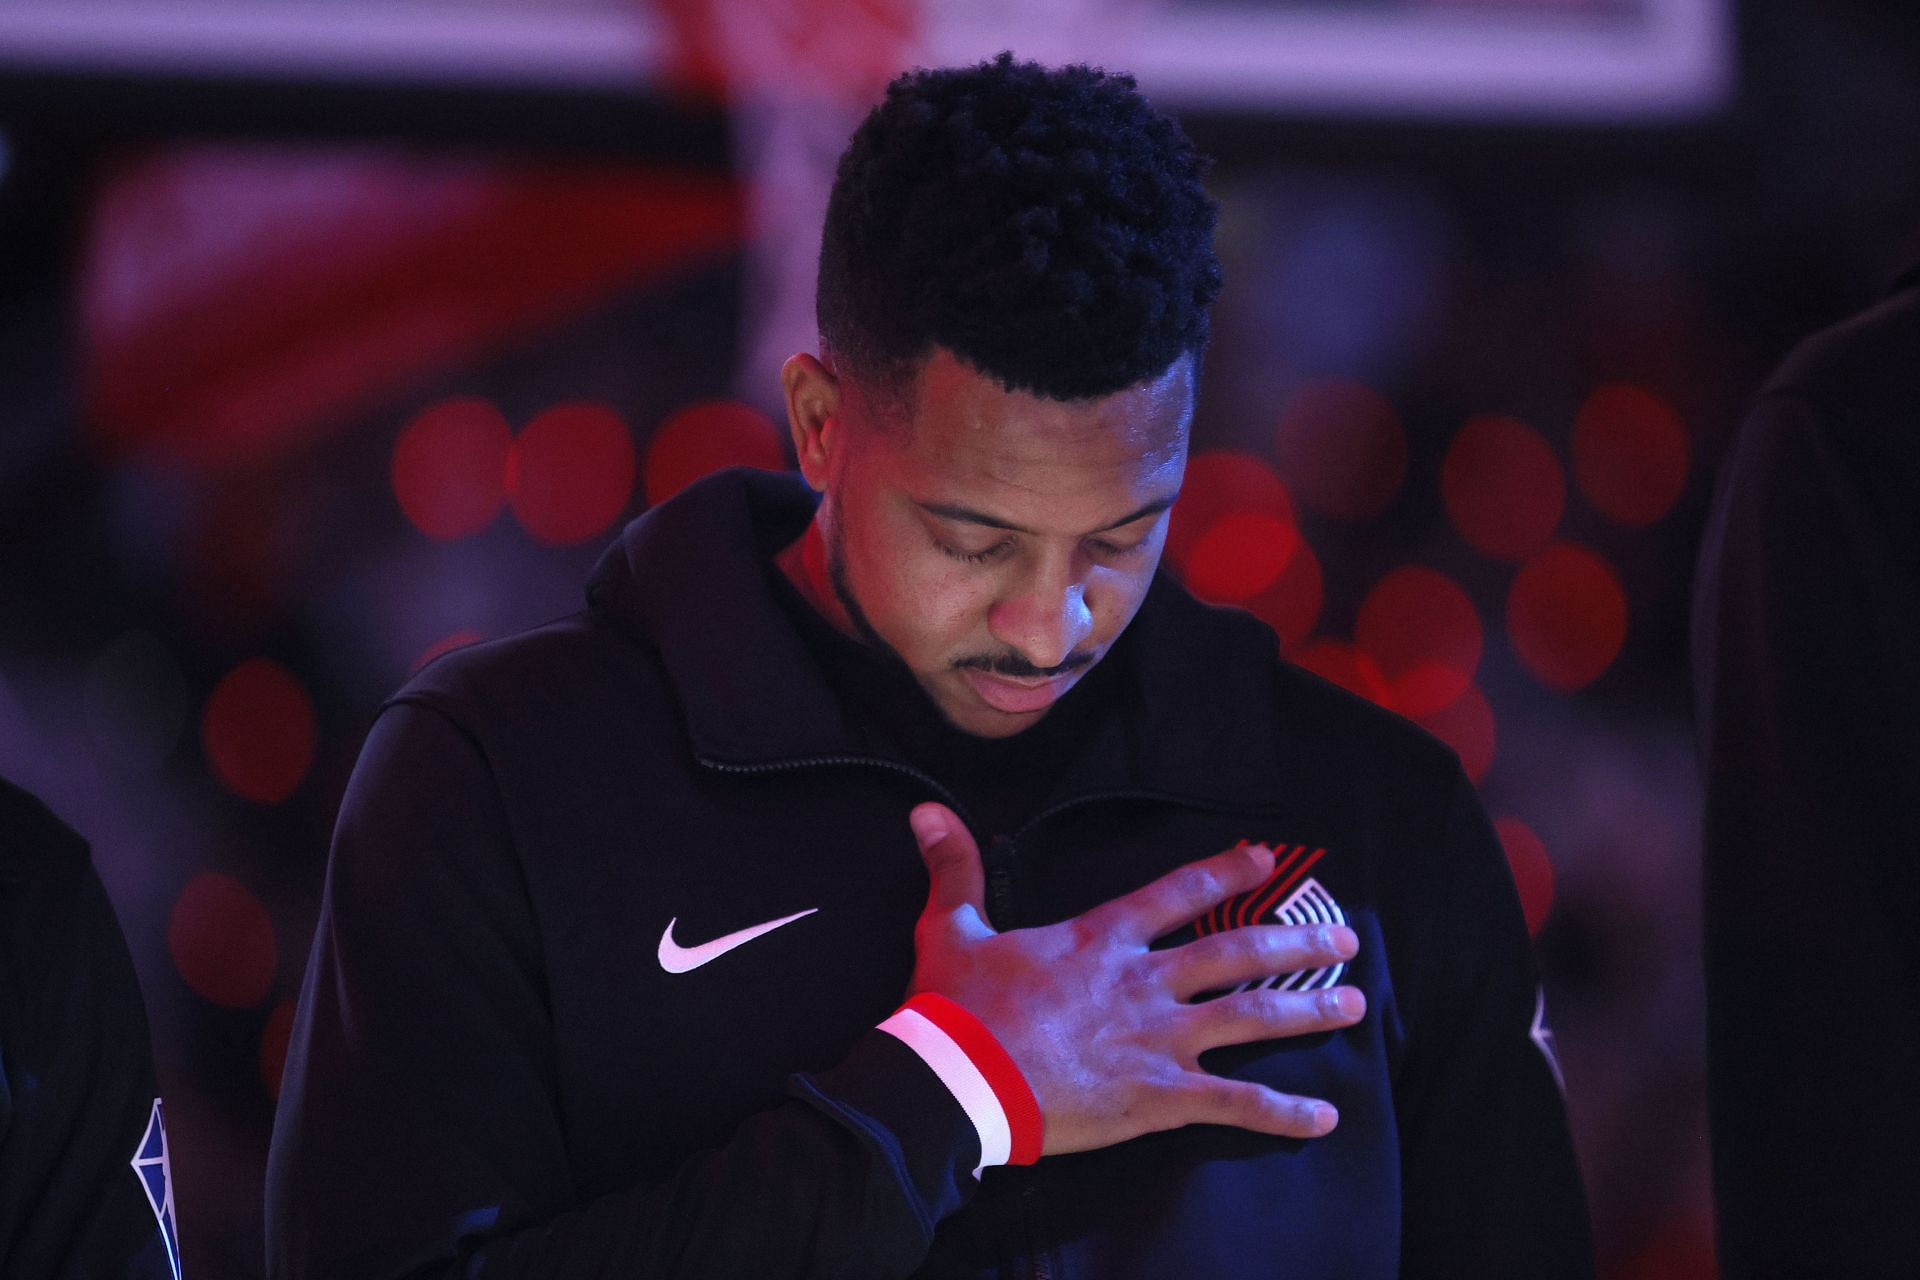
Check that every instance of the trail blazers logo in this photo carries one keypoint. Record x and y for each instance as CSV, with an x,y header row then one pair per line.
x,y
1289,896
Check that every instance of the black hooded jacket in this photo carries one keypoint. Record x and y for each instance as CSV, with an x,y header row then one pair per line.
x,y
493,1075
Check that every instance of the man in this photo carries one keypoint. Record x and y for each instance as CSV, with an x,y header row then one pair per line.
x,y
1808,687
621,913
84,1187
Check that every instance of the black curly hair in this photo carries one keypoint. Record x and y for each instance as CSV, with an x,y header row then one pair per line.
x,y
1048,227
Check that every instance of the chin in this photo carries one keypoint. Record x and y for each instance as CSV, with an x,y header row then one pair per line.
x,y
969,716
997,724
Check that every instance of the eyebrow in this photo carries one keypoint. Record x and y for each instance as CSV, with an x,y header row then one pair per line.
x,y
967,515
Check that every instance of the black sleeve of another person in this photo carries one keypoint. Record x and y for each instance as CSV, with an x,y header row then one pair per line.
x,y
76,1070
1807,673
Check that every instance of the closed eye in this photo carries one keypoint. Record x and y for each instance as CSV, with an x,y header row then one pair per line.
x,y
993,552
1101,547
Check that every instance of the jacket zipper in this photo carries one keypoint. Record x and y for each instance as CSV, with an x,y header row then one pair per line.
x,y
1130,793
807,762
1038,1265
953,802
998,865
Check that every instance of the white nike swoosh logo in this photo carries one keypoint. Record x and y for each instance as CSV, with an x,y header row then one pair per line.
x,y
675,958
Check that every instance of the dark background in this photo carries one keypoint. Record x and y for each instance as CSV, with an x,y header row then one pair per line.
x,y
264,344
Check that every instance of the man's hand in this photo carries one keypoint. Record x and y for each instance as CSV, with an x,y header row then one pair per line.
x,y
1101,1026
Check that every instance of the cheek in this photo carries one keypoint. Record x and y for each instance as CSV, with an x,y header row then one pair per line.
x,y
946,604
922,602
1114,596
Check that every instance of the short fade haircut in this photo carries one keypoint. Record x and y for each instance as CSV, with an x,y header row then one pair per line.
x,y
1048,227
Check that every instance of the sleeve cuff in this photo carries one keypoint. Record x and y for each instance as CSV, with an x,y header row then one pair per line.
x,y
979,1073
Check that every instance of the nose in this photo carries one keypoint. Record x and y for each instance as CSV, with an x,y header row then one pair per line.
x,y
1046,619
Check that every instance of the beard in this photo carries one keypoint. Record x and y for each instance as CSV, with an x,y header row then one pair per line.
x,y
842,588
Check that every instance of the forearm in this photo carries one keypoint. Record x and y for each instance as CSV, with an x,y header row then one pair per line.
x,y
847,1179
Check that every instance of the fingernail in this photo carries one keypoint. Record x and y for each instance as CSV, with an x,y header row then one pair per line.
x,y
1261,855
929,828
1339,940
1343,1002
1324,1117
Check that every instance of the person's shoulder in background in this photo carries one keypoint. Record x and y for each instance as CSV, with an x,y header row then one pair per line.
x,y
1863,356
1861,381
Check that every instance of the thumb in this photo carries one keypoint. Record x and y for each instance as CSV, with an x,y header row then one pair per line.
x,y
952,858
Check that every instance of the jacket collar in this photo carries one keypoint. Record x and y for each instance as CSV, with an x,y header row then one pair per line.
x,y
1193,718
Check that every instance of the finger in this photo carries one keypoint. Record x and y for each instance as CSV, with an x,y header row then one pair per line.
x,y
1207,1099
1247,1016
1181,895
1234,956
955,878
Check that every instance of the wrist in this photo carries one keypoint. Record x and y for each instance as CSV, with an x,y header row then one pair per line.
x,y
978,1071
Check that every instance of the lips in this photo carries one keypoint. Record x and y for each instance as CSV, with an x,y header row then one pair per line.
x,y
1017,697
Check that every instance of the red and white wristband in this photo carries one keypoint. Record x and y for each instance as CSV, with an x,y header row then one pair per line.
x,y
979,1073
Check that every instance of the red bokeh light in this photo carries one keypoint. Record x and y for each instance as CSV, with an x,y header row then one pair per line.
x,y
1341,449
1566,616
571,472
258,731
1347,667
273,1045
1467,725
1219,482
706,437
222,941
1503,487
1291,605
448,467
231,320
1629,454
1532,870
233,556
1421,630
1239,555
447,644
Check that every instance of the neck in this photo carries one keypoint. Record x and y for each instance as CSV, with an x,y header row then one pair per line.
x,y
804,562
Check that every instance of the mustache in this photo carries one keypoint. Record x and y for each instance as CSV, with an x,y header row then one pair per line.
x,y
1013,666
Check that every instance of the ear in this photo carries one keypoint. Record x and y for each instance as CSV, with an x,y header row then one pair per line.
x,y
813,403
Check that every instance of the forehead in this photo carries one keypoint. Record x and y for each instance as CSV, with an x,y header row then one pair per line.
x,y
969,434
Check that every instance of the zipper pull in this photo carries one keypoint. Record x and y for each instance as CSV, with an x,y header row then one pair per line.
x,y
998,864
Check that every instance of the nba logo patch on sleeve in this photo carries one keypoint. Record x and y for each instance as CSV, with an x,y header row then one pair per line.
x,y
150,1164
1542,1036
